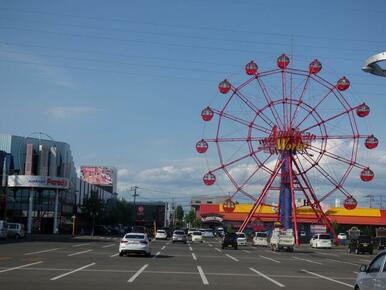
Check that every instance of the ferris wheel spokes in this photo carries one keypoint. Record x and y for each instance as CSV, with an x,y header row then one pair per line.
x,y
270,102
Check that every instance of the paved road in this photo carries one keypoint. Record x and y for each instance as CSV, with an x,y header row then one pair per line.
x,y
96,265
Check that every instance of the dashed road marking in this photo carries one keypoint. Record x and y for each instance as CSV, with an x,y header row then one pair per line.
x,y
327,278
266,277
306,260
364,260
163,248
78,253
20,267
218,250
39,252
273,260
157,254
202,275
355,272
80,245
328,254
231,257
194,257
246,251
108,246
210,245
112,256
135,276
71,272
190,249
276,253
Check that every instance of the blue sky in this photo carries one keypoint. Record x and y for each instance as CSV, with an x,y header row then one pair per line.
x,y
124,82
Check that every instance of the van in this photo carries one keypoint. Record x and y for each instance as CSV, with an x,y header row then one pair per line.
x,y
16,230
3,229
260,239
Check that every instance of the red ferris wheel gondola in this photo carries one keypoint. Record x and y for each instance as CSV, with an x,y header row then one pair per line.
x,y
343,84
224,87
207,114
371,142
315,67
363,110
251,68
367,175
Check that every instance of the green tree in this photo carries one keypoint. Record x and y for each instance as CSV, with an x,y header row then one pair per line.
x,y
191,219
92,209
179,216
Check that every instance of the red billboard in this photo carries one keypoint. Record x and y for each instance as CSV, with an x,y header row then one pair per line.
x,y
98,175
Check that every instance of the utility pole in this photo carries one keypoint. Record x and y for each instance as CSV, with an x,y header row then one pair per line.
x,y
134,188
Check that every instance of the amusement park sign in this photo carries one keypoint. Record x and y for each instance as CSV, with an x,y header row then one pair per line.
x,y
290,140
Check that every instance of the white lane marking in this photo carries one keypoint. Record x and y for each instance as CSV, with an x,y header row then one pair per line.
x,y
108,246
190,248
167,243
157,254
273,260
80,245
202,275
112,256
231,257
38,252
218,250
327,278
71,272
245,251
266,277
20,267
306,260
364,260
194,257
210,245
343,262
78,253
131,280
163,248
328,254
355,272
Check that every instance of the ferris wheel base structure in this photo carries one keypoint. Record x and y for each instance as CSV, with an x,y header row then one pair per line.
x,y
288,134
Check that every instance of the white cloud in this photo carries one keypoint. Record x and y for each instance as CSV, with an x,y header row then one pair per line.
x,y
69,112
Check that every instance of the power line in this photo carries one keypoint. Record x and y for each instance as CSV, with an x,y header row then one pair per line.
x,y
184,26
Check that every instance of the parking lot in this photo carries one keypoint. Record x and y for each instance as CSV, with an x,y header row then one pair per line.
x,y
95,264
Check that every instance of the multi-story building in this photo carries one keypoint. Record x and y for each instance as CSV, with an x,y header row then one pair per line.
x,y
38,180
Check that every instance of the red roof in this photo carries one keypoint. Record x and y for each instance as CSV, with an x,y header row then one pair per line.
x,y
207,209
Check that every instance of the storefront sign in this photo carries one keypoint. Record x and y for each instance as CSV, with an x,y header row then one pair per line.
x,y
37,181
212,219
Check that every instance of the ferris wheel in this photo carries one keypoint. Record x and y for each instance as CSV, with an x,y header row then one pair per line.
x,y
286,135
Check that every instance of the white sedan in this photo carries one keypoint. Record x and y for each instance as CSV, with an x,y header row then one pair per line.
x,y
161,235
321,241
135,243
196,236
241,239
374,275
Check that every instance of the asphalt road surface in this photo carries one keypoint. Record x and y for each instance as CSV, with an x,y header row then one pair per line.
x,y
95,264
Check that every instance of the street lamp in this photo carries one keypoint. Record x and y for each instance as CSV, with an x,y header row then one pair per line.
x,y
372,64
134,188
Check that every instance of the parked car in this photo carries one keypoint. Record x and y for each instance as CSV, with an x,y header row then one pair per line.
x,y
282,239
374,275
361,245
321,241
260,239
3,229
179,236
135,243
380,243
15,230
196,237
241,239
161,235
208,234
229,240
342,236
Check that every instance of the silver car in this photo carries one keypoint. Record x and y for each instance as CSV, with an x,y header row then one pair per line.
x,y
374,275
16,230
179,236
